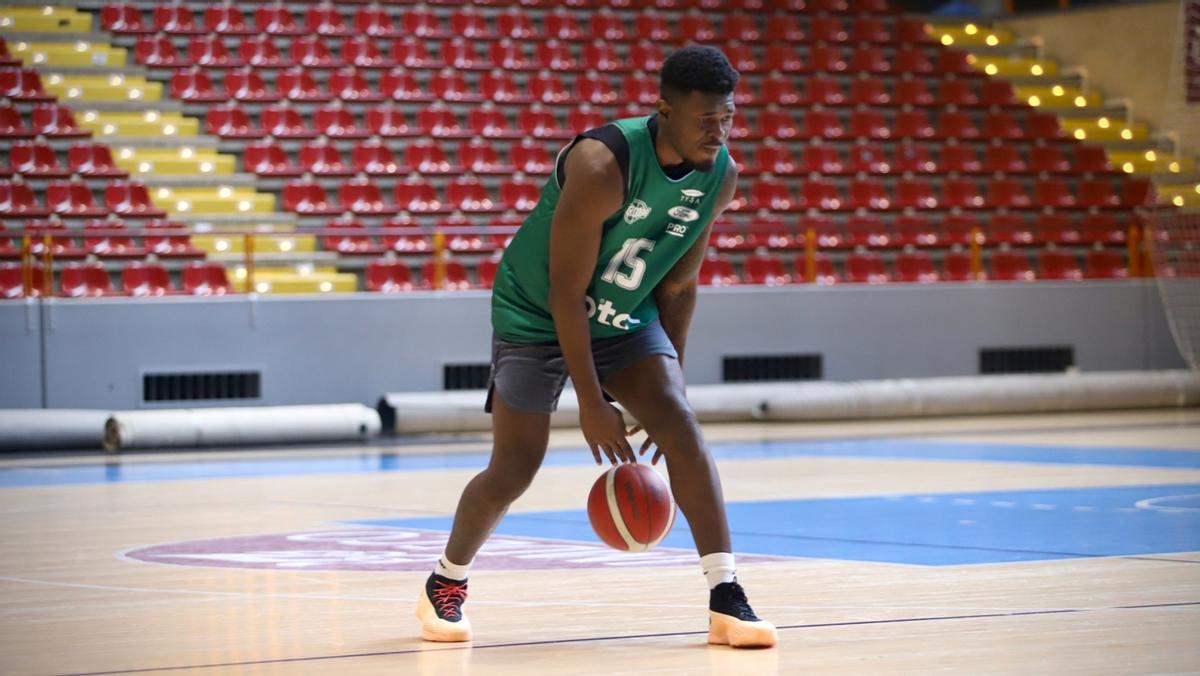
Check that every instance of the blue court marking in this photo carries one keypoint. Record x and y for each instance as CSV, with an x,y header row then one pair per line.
x,y
929,530
372,461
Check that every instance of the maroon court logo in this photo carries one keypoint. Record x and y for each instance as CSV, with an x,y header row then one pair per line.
x,y
384,549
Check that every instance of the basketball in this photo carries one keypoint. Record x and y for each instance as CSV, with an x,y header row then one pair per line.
x,y
631,508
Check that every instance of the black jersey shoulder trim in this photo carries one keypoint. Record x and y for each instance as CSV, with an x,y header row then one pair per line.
x,y
610,135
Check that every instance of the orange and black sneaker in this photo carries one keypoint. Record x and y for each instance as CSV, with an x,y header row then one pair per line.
x,y
732,622
440,610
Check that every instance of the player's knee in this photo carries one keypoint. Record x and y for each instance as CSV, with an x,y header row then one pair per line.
x,y
508,483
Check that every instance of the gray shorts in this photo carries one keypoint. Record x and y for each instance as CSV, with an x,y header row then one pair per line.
x,y
530,376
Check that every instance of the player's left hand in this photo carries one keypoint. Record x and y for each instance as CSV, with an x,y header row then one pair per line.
x,y
646,444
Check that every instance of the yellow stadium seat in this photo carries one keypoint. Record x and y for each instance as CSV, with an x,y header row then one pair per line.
x,y
102,87
174,161
295,281
72,54
1012,67
149,123
263,244
971,35
1104,129
45,19
1057,96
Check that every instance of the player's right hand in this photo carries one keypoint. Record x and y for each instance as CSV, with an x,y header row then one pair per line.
x,y
604,429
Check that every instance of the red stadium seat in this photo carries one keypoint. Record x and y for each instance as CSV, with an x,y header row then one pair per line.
x,y
823,124
961,159
915,193
870,59
93,159
773,157
211,52
741,28
824,272
282,121
375,158
775,122
1097,192
785,28
423,23
416,195
1089,158
869,123
388,276
12,125
955,62
867,158
12,281
531,157
349,239
449,85
312,52
607,25
231,121
146,279
321,158
350,85
956,93
57,121
205,279
374,21
123,18
1044,126
466,193
912,31
510,55
913,92
277,20
486,270
298,84
827,29
168,245
390,122
913,124
248,86
226,20
695,27
440,121
1137,193
959,229
62,243
538,122
176,19
914,230
915,158
72,198
866,267
584,117
1048,159
1102,228
781,90
963,193
1007,192
595,89
334,121
646,56
956,124
562,24
157,51
782,57
867,193
915,266
454,276
472,25
500,86
602,56
1053,192
84,280
309,199
867,230
913,60
717,270
999,93
194,86
1058,264
267,158
765,268
819,194
821,159
35,159
261,52
1058,228
362,196
1003,159
1006,228
957,267
516,24
1105,264
869,29
401,85
326,20
1003,126
869,91
825,59
427,157
1010,266
364,52
411,52
479,156
464,55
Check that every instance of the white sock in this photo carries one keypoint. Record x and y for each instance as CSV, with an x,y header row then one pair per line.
x,y
718,567
453,571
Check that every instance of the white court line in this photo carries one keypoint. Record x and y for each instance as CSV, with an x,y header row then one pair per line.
x,y
517,604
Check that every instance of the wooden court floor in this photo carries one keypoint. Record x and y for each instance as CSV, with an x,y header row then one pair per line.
x,y
1001,545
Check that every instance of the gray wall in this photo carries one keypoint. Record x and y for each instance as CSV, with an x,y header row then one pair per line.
x,y
353,348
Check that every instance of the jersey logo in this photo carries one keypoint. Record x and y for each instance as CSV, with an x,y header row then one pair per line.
x,y
691,195
636,211
684,214
677,229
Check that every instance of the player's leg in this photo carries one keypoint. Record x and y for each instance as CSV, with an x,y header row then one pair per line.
x,y
519,444
652,389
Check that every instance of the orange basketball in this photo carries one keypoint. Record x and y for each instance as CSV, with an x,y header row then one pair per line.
x,y
631,508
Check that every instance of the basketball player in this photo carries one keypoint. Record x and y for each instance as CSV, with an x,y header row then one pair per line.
x,y
600,283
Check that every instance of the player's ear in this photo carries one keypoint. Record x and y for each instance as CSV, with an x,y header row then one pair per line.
x,y
664,109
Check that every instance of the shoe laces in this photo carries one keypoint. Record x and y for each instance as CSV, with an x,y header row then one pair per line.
x,y
448,597
736,599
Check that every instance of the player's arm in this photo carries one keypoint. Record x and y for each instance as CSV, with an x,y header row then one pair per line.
x,y
676,293
593,191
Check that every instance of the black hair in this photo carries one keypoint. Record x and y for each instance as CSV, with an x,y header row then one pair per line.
x,y
697,68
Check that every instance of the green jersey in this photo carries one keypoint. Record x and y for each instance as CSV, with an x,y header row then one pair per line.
x,y
658,222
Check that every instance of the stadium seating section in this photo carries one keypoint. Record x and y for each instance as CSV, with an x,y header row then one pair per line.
x,y
395,146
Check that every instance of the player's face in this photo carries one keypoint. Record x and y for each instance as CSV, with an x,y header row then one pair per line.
x,y
699,126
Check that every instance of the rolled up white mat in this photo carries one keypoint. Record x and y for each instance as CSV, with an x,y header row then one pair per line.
x,y
248,425
27,429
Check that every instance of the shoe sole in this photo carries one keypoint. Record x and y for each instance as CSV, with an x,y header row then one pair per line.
x,y
434,628
735,633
